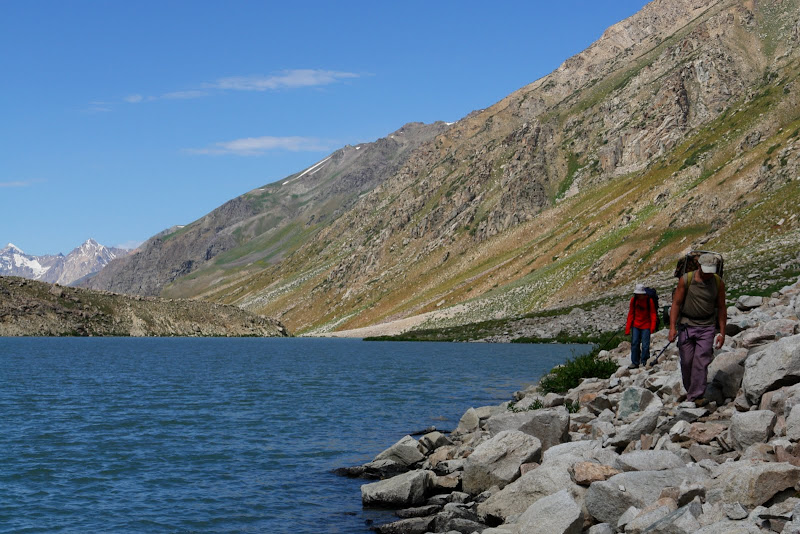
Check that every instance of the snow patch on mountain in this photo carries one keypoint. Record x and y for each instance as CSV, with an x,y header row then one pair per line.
x,y
85,260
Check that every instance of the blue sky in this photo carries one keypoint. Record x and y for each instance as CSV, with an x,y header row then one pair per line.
x,y
120,119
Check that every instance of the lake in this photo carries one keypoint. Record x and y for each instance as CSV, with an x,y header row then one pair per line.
x,y
225,435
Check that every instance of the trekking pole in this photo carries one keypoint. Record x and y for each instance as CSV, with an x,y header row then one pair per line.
x,y
610,339
655,360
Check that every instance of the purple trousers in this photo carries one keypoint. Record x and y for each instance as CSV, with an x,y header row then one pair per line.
x,y
696,347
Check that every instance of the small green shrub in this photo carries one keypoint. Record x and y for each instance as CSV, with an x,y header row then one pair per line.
x,y
572,407
535,405
565,377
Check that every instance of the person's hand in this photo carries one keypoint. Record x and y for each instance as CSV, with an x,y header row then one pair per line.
x,y
673,333
719,341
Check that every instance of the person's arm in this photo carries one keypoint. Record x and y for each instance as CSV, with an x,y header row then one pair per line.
x,y
677,302
629,321
722,315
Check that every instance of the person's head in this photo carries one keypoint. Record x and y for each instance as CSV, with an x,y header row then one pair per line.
x,y
708,263
639,292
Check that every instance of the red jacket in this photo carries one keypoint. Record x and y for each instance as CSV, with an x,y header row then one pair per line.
x,y
642,315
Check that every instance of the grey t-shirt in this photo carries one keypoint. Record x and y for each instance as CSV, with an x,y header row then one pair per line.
x,y
700,303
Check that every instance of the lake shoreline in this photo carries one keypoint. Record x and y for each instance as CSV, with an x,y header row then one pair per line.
x,y
635,456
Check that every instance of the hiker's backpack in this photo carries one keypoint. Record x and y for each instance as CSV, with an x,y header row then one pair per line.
x,y
653,294
690,263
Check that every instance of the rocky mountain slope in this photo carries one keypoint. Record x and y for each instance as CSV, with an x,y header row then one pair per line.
x,y
83,261
677,129
620,454
264,225
32,308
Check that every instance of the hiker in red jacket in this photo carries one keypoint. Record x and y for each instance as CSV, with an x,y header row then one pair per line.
x,y
642,320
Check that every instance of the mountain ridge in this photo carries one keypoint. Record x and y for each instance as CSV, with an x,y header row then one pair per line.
x,y
676,129
264,224
85,260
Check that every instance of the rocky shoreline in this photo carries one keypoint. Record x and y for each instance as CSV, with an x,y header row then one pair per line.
x,y
634,457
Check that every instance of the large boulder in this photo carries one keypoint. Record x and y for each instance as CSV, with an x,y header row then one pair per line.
x,y
730,527
751,483
772,330
793,424
635,399
725,375
545,480
402,491
496,462
405,452
555,514
748,428
776,366
681,521
645,423
433,440
607,501
469,422
648,461
748,302
550,425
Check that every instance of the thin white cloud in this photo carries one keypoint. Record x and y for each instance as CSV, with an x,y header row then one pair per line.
x,y
184,95
98,107
256,146
289,79
16,184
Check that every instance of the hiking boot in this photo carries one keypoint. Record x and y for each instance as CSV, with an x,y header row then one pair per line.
x,y
700,402
633,366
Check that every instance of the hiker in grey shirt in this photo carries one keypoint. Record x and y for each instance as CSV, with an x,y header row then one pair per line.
x,y
698,313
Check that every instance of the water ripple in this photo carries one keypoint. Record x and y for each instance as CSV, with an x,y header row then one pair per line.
x,y
223,435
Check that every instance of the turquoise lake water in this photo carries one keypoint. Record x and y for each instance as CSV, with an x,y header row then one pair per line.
x,y
225,435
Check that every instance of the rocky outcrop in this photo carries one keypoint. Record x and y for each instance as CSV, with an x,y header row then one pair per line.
x,y
31,308
728,464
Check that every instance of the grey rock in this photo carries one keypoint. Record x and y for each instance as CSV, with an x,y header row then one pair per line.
x,y
600,528
734,511
404,452
633,400
747,302
530,487
793,424
468,422
550,425
649,517
751,484
730,527
412,525
681,521
752,427
607,501
555,514
628,516
400,491
648,461
459,525
434,440
420,511
496,462
776,366
725,375
644,424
